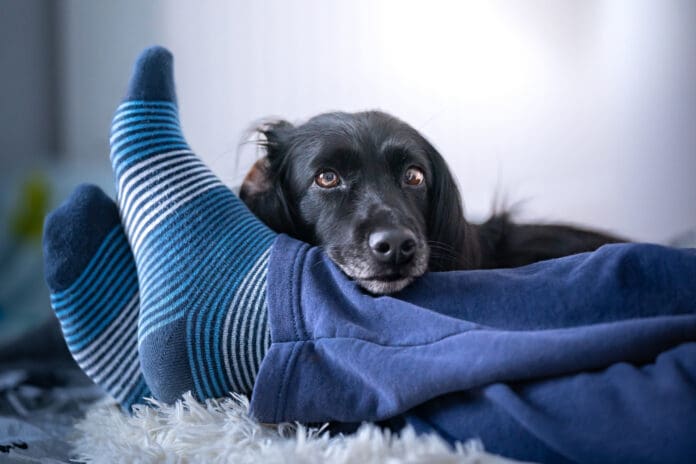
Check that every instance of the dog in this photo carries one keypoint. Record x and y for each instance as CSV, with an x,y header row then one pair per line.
x,y
382,202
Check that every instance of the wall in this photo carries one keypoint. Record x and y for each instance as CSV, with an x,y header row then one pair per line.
x,y
28,87
583,111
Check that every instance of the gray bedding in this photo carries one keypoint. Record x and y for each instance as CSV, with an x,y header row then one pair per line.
x,y
42,394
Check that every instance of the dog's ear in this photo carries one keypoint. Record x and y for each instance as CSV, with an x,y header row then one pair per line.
x,y
455,240
262,189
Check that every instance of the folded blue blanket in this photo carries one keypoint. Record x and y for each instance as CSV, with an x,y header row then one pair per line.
x,y
589,358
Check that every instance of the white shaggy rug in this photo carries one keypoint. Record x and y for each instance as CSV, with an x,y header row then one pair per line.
x,y
222,432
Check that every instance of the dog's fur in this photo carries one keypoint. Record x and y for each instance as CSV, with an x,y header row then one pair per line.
x,y
370,152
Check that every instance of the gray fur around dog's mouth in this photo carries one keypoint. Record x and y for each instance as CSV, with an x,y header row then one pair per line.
x,y
362,270
383,287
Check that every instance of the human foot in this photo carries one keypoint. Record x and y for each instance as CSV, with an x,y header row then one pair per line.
x,y
201,256
91,274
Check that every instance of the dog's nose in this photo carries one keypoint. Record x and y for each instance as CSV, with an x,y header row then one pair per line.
x,y
395,246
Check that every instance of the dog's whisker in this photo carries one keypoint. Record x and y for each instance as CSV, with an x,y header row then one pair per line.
x,y
445,252
441,244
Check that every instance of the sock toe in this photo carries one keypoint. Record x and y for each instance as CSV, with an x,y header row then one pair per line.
x,y
73,232
153,76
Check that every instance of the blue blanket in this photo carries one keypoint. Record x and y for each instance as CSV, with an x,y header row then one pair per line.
x,y
589,358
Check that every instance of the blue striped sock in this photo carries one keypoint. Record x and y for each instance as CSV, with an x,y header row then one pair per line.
x,y
91,274
201,255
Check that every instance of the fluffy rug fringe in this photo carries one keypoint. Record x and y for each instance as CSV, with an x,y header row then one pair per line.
x,y
222,431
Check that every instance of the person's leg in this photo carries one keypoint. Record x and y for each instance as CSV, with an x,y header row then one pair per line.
x,y
201,255
338,354
625,413
94,291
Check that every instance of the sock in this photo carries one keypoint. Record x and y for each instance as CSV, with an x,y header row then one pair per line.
x,y
201,255
91,274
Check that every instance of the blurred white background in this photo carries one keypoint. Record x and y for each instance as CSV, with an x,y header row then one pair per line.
x,y
584,110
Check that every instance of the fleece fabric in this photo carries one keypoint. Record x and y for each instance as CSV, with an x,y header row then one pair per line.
x,y
588,358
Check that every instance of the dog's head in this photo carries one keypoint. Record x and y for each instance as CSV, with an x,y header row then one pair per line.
x,y
369,189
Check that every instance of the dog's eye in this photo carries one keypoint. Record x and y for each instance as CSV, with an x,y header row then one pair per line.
x,y
414,176
327,179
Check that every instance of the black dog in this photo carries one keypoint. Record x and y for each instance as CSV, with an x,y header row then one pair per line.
x,y
382,202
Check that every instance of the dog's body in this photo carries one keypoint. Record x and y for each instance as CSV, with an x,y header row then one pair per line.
x,y
382,202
